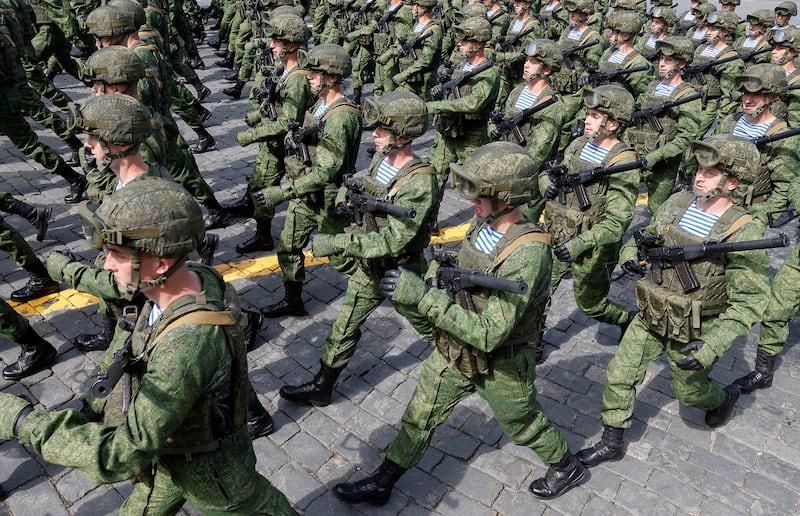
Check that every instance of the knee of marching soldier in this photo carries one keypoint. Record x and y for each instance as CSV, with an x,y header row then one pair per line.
x,y
696,389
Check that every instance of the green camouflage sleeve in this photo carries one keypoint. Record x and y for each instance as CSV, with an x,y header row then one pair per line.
x,y
689,115
295,99
782,164
784,302
91,280
488,330
419,192
176,377
431,48
546,129
481,97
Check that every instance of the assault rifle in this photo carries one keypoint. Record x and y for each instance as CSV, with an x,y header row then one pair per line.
x,y
769,138
508,44
577,181
697,71
265,60
363,206
783,217
381,21
407,46
596,78
511,125
295,143
266,91
651,114
679,256
457,281
359,18
117,369
441,91
567,54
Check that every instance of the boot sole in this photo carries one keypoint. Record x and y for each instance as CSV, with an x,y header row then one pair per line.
x,y
49,362
569,486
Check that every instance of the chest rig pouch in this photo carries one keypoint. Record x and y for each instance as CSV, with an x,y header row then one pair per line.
x,y
564,221
410,257
406,61
646,140
454,125
471,361
666,310
712,87
219,417
566,79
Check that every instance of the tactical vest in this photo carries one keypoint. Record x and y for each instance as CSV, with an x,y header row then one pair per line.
x,y
712,86
406,62
513,70
412,253
762,187
383,40
220,416
564,221
469,360
665,309
646,140
295,168
454,125
566,79
528,125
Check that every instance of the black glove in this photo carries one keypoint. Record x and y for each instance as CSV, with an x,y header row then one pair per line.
x,y
551,192
562,253
633,268
690,363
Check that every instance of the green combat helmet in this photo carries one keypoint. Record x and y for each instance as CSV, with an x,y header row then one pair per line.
x,y
788,37
677,47
547,52
328,58
786,9
726,20
701,11
730,2
403,113
763,17
580,6
109,22
626,22
613,101
765,78
430,4
475,28
499,171
735,156
117,119
287,27
114,65
135,9
469,11
667,14
156,216
628,5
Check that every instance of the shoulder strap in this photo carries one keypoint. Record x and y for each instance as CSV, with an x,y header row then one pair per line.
x,y
341,105
525,238
415,166
627,153
736,226
684,89
215,318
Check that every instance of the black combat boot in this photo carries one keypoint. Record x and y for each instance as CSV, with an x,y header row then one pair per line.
x,y
720,415
77,184
317,392
609,448
36,216
226,62
560,477
40,284
375,489
356,95
206,143
233,76
207,248
259,422
97,341
216,218
197,63
243,208
234,91
254,322
291,304
761,378
202,90
261,241
202,111
36,354
76,145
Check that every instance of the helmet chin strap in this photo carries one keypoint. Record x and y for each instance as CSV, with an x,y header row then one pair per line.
x,y
716,192
496,211
392,145
109,157
136,284
755,112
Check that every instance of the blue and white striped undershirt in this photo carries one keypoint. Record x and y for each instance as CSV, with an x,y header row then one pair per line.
x,y
575,34
516,28
664,90
487,239
710,51
155,313
697,222
386,172
651,42
747,130
525,100
699,34
593,154
418,27
468,67
321,109
617,57
750,43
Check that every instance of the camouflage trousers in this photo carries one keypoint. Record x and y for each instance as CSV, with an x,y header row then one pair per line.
x,y
637,350
13,243
267,171
12,325
362,297
14,125
303,216
509,390
591,283
784,302
49,41
221,482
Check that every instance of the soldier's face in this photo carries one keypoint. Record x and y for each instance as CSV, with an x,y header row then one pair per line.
x,y
277,46
779,52
521,7
707,179
657,26
728,7
532,66
576,18
118,263
753,101
782,20
666,64
482,206
315,81
93,144
597,120
381,136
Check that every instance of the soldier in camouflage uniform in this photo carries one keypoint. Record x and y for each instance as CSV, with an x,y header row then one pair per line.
x,y
694,329
664,150
759,24
729,6
510,58
38,217
312,185
542,129
13,123
621,53
292,92
698,32
382,241
417,75
687,19
395,22
554,18
783,13
461,123
662,20
585,240
185,422
483,349
785,49
36,353
777,170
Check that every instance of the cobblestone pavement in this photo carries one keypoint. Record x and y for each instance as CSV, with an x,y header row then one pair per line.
x,y
674,464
